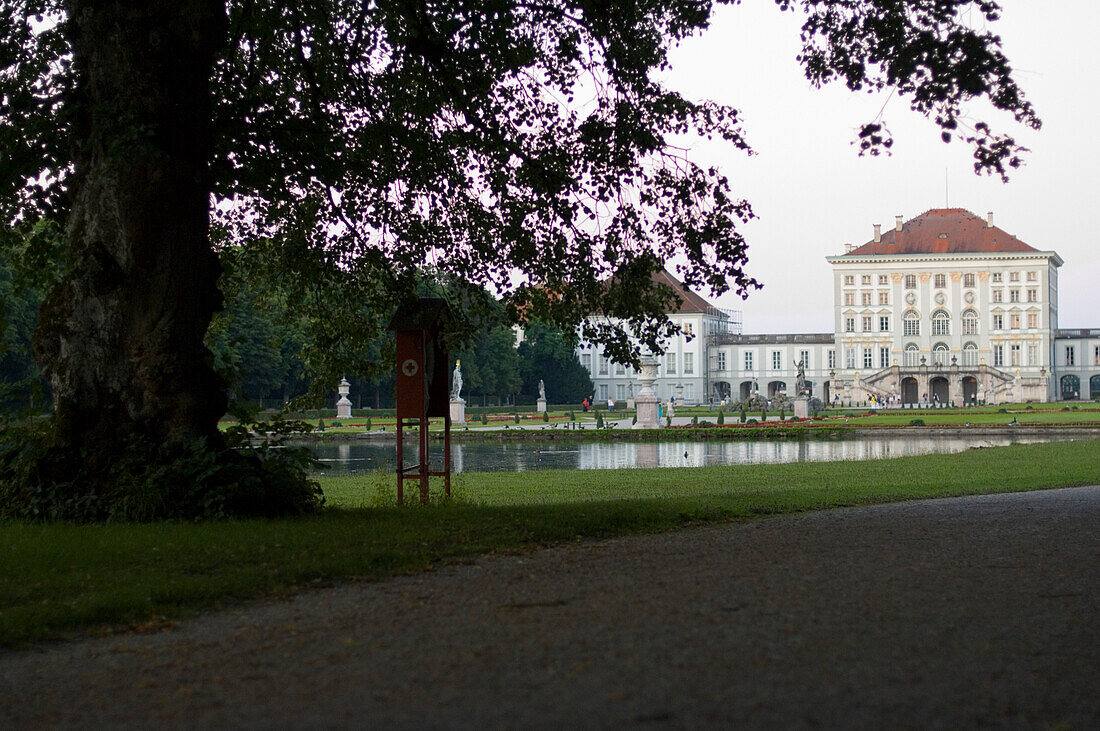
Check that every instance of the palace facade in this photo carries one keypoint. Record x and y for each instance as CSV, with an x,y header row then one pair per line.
x,y
945,307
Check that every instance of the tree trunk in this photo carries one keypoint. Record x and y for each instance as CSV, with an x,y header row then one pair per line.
x,y
121,338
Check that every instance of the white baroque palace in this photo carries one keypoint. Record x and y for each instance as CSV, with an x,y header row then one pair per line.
x,y
945,307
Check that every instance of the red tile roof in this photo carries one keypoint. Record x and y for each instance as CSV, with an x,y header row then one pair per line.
x,y
943,231
689,301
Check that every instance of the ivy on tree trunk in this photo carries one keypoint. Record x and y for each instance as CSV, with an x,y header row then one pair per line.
x,y
121,337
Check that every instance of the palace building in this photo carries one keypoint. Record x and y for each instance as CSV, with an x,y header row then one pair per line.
x,y
943,308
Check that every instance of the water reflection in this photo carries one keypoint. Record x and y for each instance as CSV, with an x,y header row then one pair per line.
x,y
352,458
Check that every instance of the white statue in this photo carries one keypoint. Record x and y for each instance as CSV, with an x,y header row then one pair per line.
x,y
542,390
456,381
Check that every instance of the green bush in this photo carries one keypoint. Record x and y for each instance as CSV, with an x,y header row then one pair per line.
x,y
145,479
916,422
1002,411
722,417
753,421
599,420
516,417
545,416
484,418
367,424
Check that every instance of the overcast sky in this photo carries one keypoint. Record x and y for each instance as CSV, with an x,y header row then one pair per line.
x,y
812,192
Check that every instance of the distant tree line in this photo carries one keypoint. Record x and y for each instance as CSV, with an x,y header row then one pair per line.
x,y
263,342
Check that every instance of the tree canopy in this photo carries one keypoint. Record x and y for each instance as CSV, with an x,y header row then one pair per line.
x,y
523,147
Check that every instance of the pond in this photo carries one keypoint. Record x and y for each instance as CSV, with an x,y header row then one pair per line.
x,y
354,458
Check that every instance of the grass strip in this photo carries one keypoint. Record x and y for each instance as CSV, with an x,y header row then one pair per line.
x,y
58,579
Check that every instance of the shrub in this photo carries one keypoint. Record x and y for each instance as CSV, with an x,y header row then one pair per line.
x,y
367,424
695,421
484,418
320,425
722,416
545,416
916,422
516,417
782,414
1002,411
599,420
753,421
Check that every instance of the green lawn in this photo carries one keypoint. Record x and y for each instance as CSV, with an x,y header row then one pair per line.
x,y
56,580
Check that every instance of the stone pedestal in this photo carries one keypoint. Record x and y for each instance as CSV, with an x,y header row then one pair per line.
x,y
540,406
646,400
458,411
343,406
801,406
630,404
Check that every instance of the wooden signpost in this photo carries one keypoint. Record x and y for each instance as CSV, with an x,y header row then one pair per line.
x,y
422,391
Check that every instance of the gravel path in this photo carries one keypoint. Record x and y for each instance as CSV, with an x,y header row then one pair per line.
x,y
964,612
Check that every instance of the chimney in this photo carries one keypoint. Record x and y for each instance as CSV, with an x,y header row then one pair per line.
x,y
878,232
989,220
897,223
848,248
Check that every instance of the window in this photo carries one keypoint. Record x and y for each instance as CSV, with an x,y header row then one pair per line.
x,y
849,324
910,281
689,330
939,354
1071,355
940,281
1032,295
832,359
1033,276
912,356
998,322
804,357
865,279
1013,276
883,357
1013,295
620,391
1014,354
603,365
720,361
689,362
867,323
1096,355
997,277
777,360
865,298
586,361
849,298
1014,321
1032,354
968,279
998,296
884,298
689,392
849,279
884,323
670,362
748,360
603,392
883,280
998,355
970,354
620,369
868,360
850,358
970,322
910,324
941,323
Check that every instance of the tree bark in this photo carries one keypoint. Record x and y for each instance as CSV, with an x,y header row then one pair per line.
x,y
121,337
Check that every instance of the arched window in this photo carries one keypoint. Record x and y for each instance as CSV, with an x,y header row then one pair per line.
x,y
970,354
910,323
941,323
912,355
970,322
939,354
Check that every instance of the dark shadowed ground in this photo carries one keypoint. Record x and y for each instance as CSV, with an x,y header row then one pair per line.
x,y
978,611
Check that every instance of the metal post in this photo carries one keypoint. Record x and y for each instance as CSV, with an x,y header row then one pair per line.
x,y
447,455
424,460
400,464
